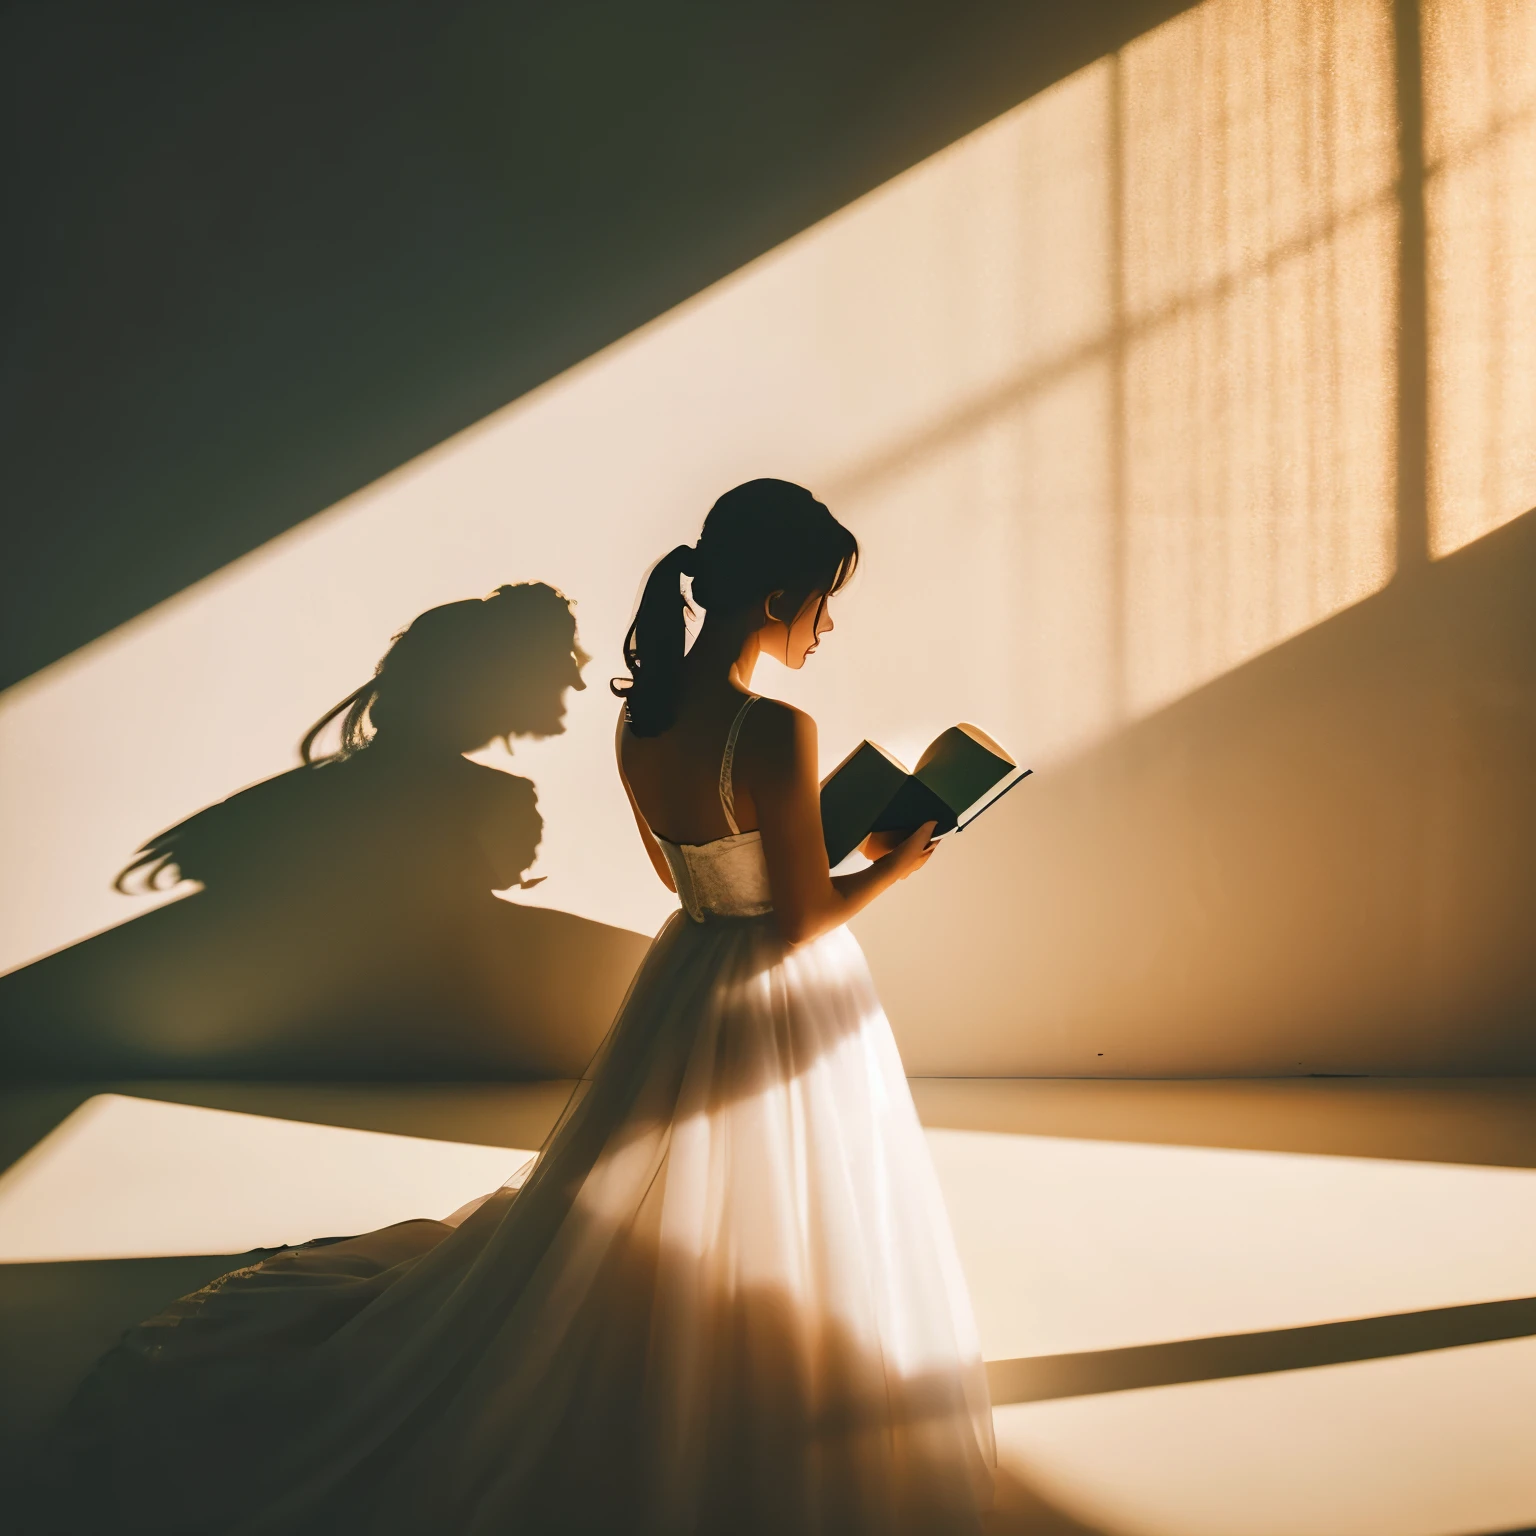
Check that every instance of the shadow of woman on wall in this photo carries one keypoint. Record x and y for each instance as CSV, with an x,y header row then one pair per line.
x,y
347,924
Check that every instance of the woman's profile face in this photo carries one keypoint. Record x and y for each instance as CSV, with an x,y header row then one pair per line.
x,y
791,643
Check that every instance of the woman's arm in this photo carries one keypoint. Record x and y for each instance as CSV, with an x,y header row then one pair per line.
x,y
778,768
658,858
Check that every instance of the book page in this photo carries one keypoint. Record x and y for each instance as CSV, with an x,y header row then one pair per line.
x,y
961,765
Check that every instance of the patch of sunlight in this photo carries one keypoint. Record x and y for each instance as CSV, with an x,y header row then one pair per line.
x,y
1104,389
1075,1245
1480,202
1436,1444
129,1178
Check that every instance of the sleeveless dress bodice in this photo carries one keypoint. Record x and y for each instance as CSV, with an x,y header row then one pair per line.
x,y
724,878
727,876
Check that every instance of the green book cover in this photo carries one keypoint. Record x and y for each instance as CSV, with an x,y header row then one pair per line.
x,y
854,794
870,791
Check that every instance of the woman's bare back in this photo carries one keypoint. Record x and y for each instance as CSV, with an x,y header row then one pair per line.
x,y
675,777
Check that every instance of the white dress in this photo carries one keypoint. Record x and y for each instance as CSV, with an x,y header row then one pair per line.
x,y
726,1299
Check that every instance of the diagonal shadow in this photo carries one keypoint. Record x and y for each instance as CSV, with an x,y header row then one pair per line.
x,y
1041,1378
1316,862
259,261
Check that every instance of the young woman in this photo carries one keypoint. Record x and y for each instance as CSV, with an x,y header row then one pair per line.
x,y
726,1298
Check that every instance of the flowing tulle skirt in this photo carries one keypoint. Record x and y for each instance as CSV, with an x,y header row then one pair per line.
x,y
726,1299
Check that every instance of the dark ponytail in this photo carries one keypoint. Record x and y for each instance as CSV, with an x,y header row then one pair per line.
x,y
653,648
354,735
762,537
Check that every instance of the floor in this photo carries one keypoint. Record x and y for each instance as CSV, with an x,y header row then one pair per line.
x,y
1279,1308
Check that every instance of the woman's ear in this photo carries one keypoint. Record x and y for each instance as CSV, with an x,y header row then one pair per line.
x,y
768,612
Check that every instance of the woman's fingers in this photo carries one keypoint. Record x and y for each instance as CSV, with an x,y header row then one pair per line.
x,y
878,844
917,849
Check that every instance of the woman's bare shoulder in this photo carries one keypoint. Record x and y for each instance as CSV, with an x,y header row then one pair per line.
x,y
777,734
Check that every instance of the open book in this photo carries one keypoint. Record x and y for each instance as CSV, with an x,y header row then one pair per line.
x,y
869,791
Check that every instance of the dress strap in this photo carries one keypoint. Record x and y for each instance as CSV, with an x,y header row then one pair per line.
x,y
727,762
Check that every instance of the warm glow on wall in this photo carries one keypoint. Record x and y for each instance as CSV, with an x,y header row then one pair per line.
x,y
1480,154
1108,390
1065,426
1259,359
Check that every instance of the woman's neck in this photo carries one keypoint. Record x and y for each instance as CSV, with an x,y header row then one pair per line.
x,y
725,655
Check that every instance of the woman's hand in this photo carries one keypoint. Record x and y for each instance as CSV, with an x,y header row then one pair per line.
x,y
878,844
912,851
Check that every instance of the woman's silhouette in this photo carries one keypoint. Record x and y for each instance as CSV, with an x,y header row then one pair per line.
x,y
347,922
726,1298
398,784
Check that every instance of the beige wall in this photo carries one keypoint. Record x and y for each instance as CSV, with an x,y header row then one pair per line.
x,y
1321,862
1185,414
1324,859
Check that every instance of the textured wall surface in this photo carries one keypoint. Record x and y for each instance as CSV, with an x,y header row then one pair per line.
x,y
1183,411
